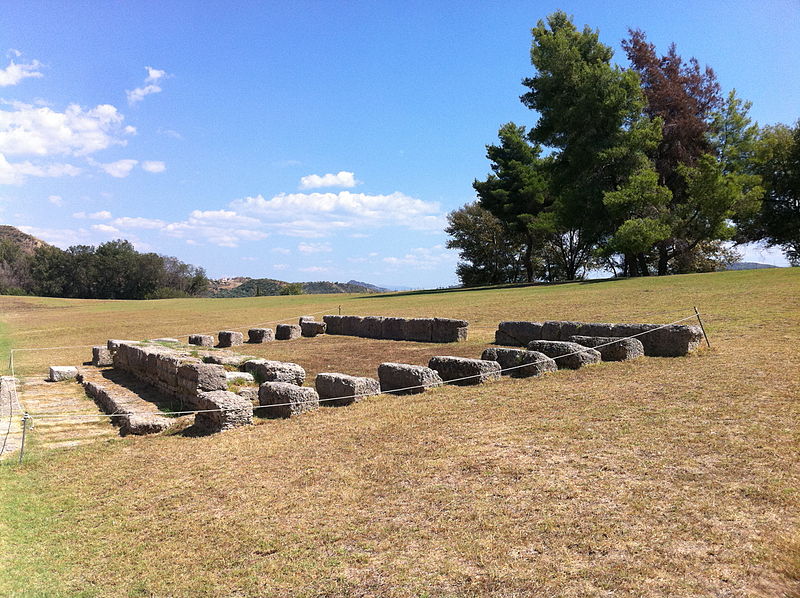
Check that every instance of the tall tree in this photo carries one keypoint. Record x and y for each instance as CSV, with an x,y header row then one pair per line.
x,y
488,252
516,191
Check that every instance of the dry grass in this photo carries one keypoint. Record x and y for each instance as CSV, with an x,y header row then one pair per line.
x,y
659,477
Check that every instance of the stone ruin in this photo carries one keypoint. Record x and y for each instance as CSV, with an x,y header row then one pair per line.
x,y
423,330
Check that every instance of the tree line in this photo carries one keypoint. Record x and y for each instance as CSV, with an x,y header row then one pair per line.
x,y
641,171
112,270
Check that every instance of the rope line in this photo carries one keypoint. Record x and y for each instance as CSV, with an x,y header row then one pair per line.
x,y
362,395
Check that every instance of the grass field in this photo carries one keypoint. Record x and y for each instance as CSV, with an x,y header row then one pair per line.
x,y
657,477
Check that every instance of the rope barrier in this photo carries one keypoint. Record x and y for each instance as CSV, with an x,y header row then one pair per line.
x,y
362,395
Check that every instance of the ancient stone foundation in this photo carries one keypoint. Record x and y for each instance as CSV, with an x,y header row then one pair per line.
x,y
462,371
524,363
229,338
233,411
201,340
424,330
612,348
265,370
260,335
670,341
402,378
311,328
128,409
344,389
102,357
286,332
59,373
566,355
281,399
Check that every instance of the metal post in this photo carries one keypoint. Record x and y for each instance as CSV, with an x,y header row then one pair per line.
x,y
24,430
703,328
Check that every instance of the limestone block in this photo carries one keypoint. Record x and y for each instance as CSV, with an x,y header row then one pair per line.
x,y
394,328
419,330
141,425
532,363
282,399
333,323
403,378
351,325
203,377
595,329
463,371
344,389
285,332
371,327
226,358
566,354
59,373
201,340
265,370
234,411
671,341
557,330
312,329
113,344
230,338
249,393
518,333
102,357
239,378
260,335
446,330
305,319
612,348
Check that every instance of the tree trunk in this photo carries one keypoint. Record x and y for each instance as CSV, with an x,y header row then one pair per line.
x,y
663,260
643,265
528,256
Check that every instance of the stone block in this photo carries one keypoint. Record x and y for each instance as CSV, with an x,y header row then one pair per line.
x,y
516,333
419,330
166,340
344,389
260,335
102,357
446,330
249,393
559,330
675,340
113,343
612,348
312,329
565,354
226,358
141,425
202,377
201,340
372,327
595,329
402,378
463,371
265,370
525,363
239,378
227,410
394,328
351,325
286,332
281,399
230,338
333,324
59,373
305,319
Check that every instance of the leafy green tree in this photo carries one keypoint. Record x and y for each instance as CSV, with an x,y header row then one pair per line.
x,y
292,288
489,253
516,190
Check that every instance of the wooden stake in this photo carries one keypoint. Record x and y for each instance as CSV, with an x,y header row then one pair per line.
x,y
703,328
24,430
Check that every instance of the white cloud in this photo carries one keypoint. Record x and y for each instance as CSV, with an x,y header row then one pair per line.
x,y
170,133
15,173
56,200
147,223
105,228
224,228
14,73
314,247
151,85
340,179
154,166
59,237
314,269
101,215
41,131
282,250
280,266
424,258
119,169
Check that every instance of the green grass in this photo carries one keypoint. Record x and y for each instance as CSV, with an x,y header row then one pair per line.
x,y
657,477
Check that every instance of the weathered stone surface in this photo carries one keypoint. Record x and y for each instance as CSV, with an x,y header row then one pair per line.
x,y
344,389
169,341
419,330
233,411
372,327
127,408
59,373
595,329
351,325
201,340
312,329
402,378
225,358
204,377
446,330
463,371
305,319
113,344
394,328
334,324
518,333
265,370
557,330
533,363
565,354
281,399
239,378
611,348
141,425
230,338
102,357
249,393
286,332
260,335
675,340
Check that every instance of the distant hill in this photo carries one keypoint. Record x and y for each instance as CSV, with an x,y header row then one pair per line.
x,y
367,285
252,287
27,243
749,266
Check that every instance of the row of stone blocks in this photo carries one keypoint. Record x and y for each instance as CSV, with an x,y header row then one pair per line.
x,y
674,340
424,330
256,336
128,417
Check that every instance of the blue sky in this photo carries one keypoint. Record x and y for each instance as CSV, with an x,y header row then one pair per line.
x,y
307,140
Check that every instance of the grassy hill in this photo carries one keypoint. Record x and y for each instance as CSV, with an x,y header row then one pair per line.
x,y
27,243
266,287
657,477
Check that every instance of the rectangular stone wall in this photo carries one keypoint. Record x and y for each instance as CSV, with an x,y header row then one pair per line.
x,y
425,330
